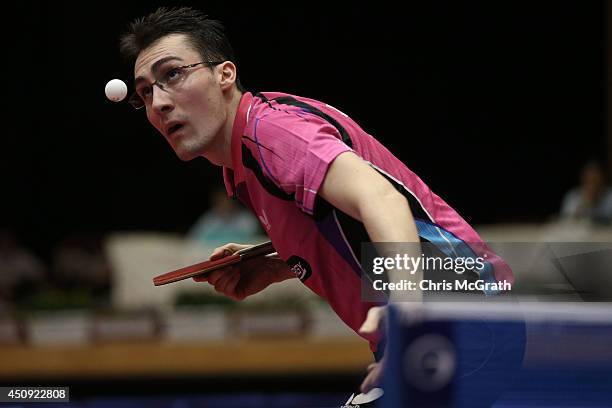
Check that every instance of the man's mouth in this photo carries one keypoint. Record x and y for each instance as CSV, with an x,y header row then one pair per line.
x,y
174,128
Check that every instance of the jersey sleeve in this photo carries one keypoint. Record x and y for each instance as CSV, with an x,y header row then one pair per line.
x,y
294,151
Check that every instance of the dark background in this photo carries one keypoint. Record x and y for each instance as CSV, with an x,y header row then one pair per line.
x,y
494,104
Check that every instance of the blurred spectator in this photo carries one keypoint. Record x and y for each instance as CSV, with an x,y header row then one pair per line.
x,y
592,199
225,222
79,262
20,269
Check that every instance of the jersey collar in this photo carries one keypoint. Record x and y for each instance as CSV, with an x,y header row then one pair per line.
x,y
233,177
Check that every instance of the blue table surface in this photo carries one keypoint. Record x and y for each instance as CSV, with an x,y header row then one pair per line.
x,y
507,363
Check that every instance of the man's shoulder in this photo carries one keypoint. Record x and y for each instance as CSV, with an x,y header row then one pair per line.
x,y
280,101
285,116
284,97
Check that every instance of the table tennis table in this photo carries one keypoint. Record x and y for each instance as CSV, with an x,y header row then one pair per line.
x,y
499,354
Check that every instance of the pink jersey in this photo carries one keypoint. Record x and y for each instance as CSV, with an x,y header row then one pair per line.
x,y
282,146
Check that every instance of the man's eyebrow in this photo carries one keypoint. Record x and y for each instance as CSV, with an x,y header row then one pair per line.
x,y
156,65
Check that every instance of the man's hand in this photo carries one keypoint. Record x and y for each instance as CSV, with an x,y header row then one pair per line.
x,y
247,277
374,323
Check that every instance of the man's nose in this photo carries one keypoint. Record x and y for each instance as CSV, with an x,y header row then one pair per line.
x,y
162,100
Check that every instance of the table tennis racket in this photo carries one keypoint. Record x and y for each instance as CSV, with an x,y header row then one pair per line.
x,y
208,266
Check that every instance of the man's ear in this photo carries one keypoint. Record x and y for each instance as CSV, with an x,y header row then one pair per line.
x,y
226,74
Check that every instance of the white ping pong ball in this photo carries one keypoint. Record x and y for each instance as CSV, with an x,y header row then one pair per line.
x,y
116,90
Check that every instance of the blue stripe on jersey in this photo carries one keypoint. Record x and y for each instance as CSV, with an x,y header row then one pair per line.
x,y
452,246
335,234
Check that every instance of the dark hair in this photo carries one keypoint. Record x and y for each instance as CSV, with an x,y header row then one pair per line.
x,y
206,36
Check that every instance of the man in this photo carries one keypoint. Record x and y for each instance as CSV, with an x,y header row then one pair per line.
x,y
591,201
318,183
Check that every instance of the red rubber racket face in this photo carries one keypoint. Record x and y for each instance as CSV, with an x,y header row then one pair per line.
x,y
209,266
195,269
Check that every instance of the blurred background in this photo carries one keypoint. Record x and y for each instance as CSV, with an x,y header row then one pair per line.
x,y
511,98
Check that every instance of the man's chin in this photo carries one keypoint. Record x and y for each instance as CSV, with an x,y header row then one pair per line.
x,y
186,151
187,158
186,154
189,149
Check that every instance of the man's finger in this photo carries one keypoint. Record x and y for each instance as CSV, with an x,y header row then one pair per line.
x,y
201,278
221,252
227,250
232,284
372,380
225,284
214,276
372,321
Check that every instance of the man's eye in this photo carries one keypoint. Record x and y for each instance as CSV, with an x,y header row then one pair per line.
x,y
145,92
174,75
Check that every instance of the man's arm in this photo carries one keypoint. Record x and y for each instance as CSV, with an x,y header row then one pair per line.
x,y
355,188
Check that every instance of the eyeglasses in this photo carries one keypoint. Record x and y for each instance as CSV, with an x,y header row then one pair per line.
x,y
169,81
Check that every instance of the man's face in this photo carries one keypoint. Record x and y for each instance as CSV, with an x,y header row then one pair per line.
x,y
190,114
